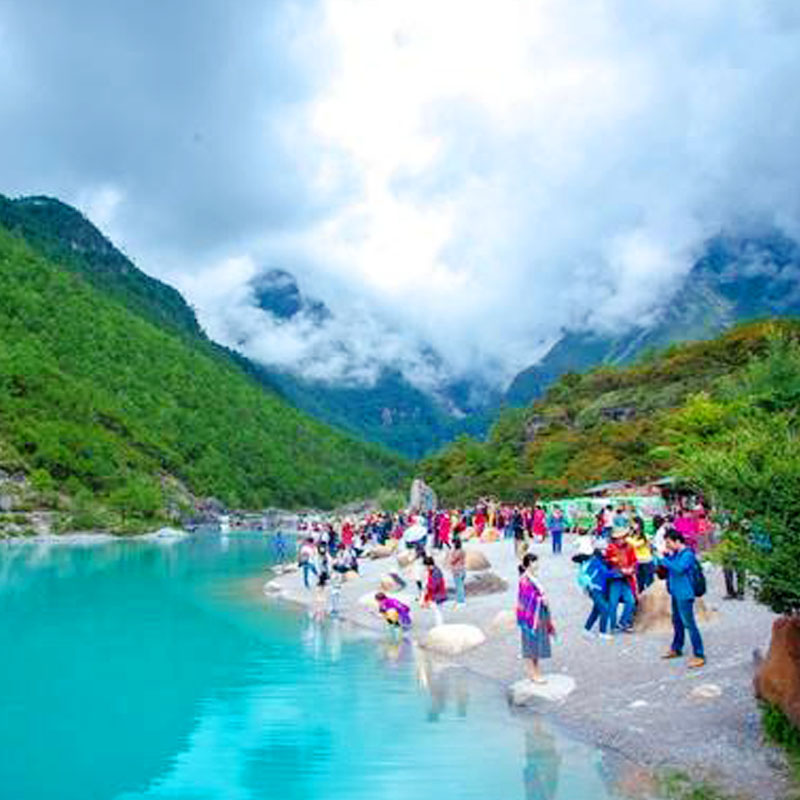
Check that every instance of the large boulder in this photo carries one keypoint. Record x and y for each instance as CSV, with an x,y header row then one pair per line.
x,y
654,611
451,640
777,678
485,583
476,561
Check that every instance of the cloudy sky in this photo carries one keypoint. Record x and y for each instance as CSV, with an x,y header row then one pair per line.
x,y
475,175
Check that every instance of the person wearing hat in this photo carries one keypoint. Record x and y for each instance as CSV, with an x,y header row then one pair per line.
x,y
621,558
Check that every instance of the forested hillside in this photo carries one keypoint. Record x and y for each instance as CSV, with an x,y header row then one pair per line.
x,y
610,423
105,410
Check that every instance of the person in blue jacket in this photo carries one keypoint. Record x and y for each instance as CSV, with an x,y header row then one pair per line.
x,y
595,574
556,524
680,564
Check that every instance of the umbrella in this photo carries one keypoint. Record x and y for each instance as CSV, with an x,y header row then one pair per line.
x,y
415,533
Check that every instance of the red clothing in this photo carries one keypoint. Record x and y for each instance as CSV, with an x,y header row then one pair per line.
x,y
444,529
347,534
435,590
621,556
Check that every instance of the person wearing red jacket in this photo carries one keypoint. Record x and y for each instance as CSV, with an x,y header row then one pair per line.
x,y
621,557
435,589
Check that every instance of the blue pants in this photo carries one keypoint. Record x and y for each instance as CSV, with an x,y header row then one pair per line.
x,y
308,567
683,620
557,536
599,611
459,578
621,590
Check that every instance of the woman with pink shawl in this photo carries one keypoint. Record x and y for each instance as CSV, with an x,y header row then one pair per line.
x,y
533,618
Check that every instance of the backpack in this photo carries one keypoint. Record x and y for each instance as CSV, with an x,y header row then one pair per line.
x,y
584,577
698,579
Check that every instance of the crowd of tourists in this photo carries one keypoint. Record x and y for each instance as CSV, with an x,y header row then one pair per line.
x,y
618,552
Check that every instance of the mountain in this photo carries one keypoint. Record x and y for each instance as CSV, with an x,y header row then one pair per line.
x,y
391,410
737,279
115,409
613,423
276,292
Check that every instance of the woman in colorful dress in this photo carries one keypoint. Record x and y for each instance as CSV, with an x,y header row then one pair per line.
x,y
533,619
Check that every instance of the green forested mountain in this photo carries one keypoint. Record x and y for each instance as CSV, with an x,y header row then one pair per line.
x,y
104,407
737,279
610,423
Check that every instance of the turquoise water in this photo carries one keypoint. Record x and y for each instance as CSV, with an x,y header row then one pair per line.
x,y
135,670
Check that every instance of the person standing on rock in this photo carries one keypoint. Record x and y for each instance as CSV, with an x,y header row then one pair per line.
x,y
533,618
435,589
681,565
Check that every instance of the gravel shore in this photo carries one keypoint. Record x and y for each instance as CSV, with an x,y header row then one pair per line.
x,y
655,713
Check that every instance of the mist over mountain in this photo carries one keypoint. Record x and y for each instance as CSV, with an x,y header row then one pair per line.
x,y
738,278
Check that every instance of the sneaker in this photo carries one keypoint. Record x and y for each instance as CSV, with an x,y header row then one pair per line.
x,y
696,662
628,629
672,654
587,634
606,637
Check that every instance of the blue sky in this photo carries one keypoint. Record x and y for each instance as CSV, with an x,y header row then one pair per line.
x,y
473,175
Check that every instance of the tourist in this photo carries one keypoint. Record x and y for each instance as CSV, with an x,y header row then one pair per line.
x,y
457,562
419,571
681,565
533,618
539,523
305,560
556,525
608,521
645,568
584,546
395,613
520,542
435,589
594,579
621,558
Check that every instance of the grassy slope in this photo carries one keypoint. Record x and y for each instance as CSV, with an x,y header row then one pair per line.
x,y
564,442
100,398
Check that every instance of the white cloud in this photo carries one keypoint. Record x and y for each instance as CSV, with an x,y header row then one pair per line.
x,y
476,175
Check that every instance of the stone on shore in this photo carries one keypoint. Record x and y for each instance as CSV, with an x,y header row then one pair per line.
x,y
504,621
406,558
383,550
777,678
556,689
391,583
453,639
476,561
483,584
654,613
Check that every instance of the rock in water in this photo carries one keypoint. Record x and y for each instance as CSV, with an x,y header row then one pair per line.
x,y
777,678
476,561
556,689
451,640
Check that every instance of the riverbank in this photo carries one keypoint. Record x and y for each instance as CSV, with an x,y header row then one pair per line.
x,y
81,538
655,713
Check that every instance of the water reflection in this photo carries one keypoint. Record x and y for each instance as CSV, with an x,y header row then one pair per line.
x,y
542,762
145,672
